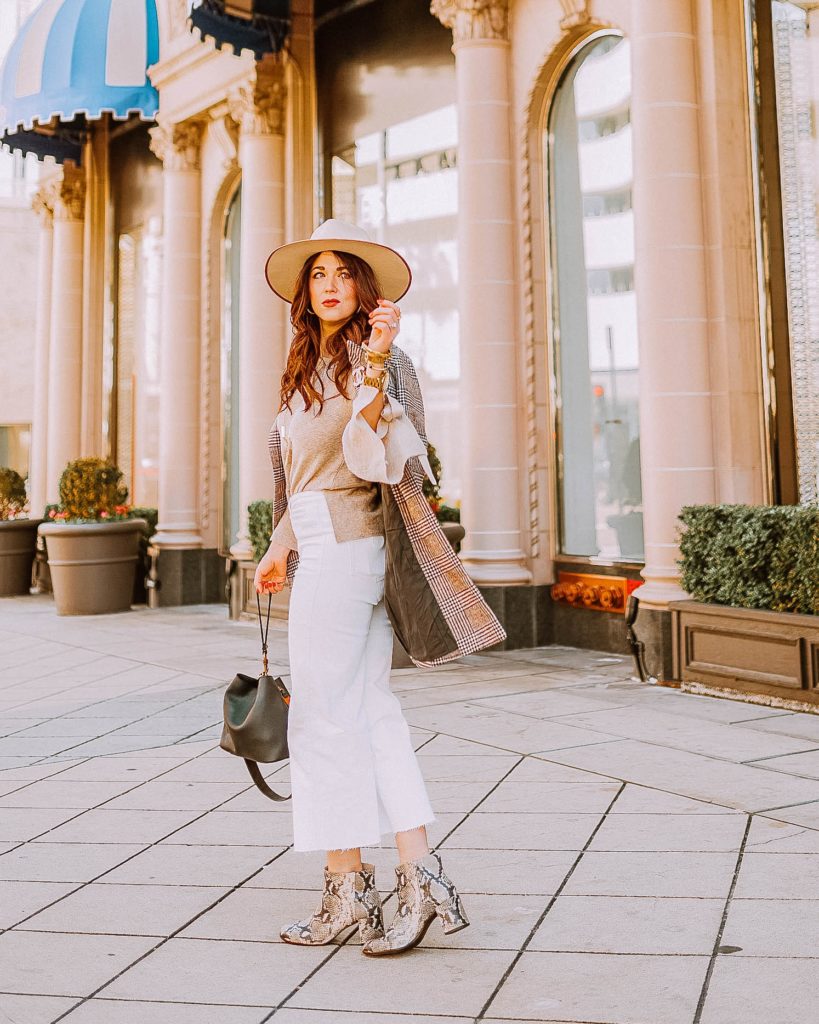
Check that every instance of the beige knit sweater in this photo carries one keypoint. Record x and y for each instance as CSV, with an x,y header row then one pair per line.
x,y
335,450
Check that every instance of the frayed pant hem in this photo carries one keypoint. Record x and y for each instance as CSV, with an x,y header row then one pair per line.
x,y
329,847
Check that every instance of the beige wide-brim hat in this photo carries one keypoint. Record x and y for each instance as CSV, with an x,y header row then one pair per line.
x,y
391,269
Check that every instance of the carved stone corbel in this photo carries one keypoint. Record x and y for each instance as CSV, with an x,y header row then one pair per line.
x,y
577,12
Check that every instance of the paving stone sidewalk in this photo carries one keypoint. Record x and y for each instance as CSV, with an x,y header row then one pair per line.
x,y
628,854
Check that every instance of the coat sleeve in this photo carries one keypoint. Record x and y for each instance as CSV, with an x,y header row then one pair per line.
x,y
381,455
282,528
398,442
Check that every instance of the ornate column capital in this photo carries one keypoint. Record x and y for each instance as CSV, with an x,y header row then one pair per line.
x,y
473,19
177,145
258,104
43,201
68,194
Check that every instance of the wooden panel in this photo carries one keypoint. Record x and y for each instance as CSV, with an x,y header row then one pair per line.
x,y
746,649
757,656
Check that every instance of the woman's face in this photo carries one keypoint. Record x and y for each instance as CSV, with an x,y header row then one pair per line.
x,y
333,295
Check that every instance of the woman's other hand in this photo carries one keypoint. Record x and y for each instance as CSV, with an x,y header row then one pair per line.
x,y
385,323
271,572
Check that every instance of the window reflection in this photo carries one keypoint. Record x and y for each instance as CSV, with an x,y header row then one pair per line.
x,y
401,185
589,158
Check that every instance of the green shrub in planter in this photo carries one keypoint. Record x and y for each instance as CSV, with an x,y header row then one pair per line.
x,y
13,498
752,556
259,526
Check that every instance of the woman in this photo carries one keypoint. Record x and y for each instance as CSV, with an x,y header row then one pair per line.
x,y
349,454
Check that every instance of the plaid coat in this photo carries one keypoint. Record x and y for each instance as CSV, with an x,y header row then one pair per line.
x,y
436,610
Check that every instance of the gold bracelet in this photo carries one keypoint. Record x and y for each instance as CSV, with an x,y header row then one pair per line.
x,y
373,370
376,382
380,358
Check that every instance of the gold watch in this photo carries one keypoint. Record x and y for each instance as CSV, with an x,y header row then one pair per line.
x,y
379,383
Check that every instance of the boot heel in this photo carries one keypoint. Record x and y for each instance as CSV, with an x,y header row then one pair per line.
x,y
452,915
368,930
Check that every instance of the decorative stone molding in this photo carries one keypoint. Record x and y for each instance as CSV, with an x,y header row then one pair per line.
x,y
473,19
223,132
258,104
578,12
531,384
177,145
177,17
68,201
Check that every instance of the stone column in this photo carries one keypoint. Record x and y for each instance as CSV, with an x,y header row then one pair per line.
x,y
677,455
492,551
177,146
43,204
65,320
258,108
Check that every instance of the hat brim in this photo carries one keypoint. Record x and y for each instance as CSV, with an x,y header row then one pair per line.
x,y
284,264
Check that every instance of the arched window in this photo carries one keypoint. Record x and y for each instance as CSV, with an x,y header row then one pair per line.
x,y
229,374
594,315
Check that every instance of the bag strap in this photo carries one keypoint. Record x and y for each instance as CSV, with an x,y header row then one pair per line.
x,y
264,630
259,779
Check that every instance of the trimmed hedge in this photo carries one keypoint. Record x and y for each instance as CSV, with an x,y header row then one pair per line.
x,y
752,556
259,527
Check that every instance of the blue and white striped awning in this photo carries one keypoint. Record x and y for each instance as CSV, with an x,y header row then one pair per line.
x,y
71,62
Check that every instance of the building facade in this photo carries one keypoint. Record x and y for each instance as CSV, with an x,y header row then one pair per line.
x,y
610,210
18,257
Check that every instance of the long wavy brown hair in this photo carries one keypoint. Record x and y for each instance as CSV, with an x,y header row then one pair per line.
x,y
305,349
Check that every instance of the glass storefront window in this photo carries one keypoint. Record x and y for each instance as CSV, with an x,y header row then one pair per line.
x,y
136,365
15,446
229,375
594,323
401,184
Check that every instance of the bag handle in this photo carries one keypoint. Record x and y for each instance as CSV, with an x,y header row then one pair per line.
x,y
258,778
264,630
252,767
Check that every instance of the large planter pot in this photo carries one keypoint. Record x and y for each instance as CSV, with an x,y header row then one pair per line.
x,y
747,650
92,565
18,540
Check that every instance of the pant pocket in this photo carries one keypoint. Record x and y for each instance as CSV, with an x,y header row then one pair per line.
x,y
366,557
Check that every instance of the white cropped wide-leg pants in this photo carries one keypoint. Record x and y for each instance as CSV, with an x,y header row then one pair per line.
x,y
353,768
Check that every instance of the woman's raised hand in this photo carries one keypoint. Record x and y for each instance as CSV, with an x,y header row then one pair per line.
x,y
385,323
271,572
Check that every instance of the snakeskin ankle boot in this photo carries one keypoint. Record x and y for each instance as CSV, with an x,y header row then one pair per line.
x,y
424,893
350,898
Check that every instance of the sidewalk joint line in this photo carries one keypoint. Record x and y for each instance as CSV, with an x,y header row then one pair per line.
x,y
552,899
721,929
172,935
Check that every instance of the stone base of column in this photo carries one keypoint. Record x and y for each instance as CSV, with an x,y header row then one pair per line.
x,y
176,537
489,568
191,576
658,592
242,550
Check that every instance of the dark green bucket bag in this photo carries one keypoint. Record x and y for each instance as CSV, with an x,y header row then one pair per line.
x,y
255,717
